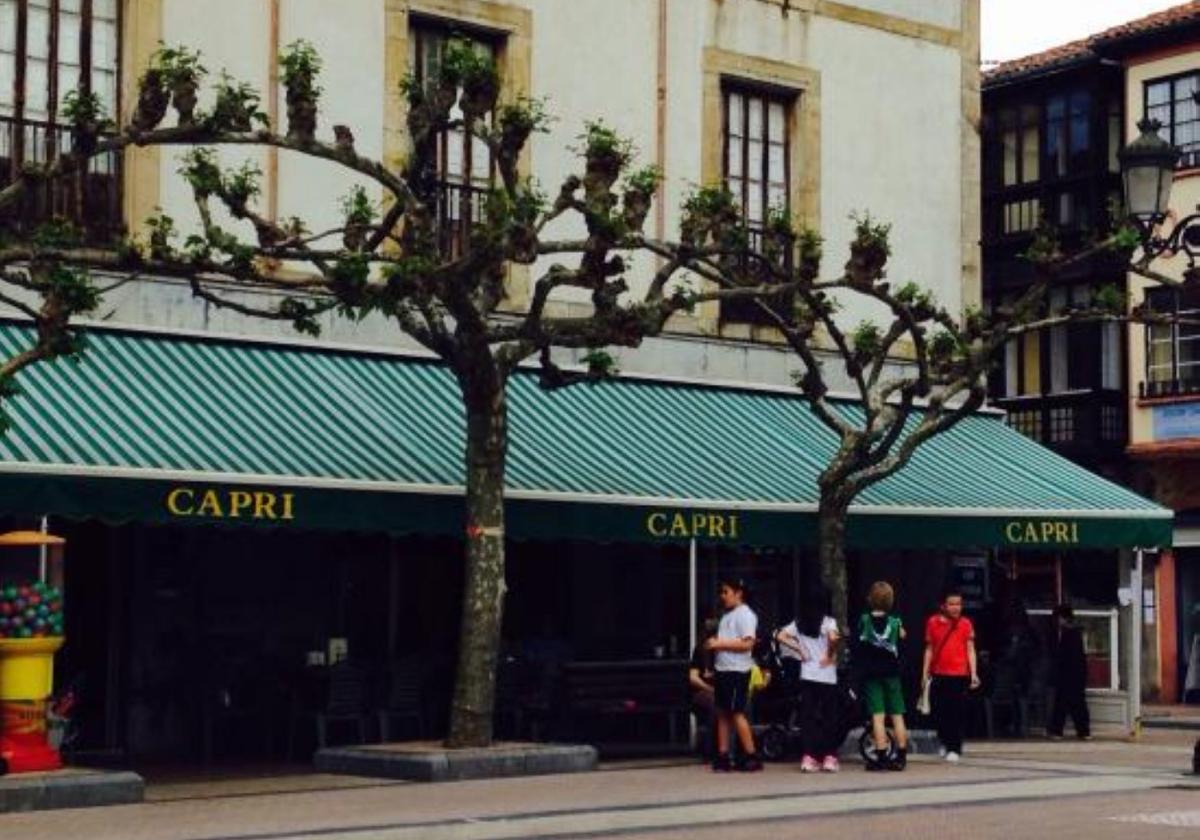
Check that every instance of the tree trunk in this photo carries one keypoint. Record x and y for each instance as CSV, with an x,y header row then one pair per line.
x,y
832,514
483,597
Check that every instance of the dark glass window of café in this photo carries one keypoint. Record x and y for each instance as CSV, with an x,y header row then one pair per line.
x,y
49,48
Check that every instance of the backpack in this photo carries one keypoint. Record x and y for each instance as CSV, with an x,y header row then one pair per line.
x,y
877,655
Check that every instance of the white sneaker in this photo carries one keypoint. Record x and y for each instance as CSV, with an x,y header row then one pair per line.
x,y
952,757
941,751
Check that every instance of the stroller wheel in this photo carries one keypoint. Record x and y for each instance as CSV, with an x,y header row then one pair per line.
x,y
772,744
866,744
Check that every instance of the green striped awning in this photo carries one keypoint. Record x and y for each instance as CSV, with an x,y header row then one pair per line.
x,y
167,429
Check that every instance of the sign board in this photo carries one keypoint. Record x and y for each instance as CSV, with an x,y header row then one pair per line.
x,y
1173,422
969,574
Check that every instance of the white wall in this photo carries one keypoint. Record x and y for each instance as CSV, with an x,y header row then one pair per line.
x,y
350,43
945,14
891,146
238,48
891,121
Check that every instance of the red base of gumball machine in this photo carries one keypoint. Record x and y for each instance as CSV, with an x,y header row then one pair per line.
x,y
28,754
23,743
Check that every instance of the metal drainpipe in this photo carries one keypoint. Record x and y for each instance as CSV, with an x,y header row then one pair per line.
x,y
660,203
693,620
1135,638
272,102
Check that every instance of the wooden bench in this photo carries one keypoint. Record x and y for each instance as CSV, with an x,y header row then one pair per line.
x,y
632,689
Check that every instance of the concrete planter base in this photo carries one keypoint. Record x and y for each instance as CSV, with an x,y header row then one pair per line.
x,y
70,788
429,761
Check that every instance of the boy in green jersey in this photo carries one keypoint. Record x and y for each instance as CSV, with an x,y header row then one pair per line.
x,y
879,636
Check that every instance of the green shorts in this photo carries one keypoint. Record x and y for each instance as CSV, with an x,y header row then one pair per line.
x,y
884,696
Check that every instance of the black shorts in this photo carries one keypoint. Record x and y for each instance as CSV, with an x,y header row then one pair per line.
x,y
732,691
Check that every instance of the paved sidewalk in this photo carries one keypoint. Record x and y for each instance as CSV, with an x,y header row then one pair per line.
x,y
622,799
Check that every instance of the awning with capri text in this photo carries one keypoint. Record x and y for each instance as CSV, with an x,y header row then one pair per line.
x,y
199,431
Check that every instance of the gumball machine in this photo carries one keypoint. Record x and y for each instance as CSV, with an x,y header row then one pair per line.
x,y
31,632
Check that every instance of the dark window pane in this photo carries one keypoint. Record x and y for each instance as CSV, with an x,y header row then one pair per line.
x,y
1080,136
1056,146
757,168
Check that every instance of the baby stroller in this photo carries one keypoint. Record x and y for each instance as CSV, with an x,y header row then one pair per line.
x,y
778,708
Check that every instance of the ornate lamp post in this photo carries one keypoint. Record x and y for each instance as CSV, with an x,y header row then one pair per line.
x,y
1147,170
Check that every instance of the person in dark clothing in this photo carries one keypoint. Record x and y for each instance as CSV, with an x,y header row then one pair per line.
x,y
1013,674
701,681
1070,698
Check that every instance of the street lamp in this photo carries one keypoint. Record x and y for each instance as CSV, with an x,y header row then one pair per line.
x,y
1147,170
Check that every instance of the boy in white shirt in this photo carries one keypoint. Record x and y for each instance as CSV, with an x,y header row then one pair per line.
x,y
733,645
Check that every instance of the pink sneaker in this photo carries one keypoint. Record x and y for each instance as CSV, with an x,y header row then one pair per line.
x,y
830,764
809,765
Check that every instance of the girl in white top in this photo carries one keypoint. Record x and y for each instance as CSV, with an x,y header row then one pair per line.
x,y
813,640
817,654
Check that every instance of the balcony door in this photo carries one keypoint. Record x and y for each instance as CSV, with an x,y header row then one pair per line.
x,y
49,48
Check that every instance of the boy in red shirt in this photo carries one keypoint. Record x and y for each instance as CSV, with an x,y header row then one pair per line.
x,y
951,664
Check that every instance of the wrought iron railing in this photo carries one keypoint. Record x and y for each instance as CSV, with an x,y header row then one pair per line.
x,y
91,199
1075,420
460,207
1185,385
748,310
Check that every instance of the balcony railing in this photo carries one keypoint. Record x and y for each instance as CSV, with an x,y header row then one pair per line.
x,y
1186,385
747,310
91,199
1072,204
1083,420
460,207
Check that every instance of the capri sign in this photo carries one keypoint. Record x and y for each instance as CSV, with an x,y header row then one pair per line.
x,y
227,503
1041,532
689,524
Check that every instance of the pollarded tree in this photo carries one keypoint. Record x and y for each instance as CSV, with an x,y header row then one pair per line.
x,y
916,376
50,294
394,260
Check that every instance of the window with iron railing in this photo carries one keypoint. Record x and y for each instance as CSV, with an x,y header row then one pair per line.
x,y
49,48
464,162
757,169
1173,350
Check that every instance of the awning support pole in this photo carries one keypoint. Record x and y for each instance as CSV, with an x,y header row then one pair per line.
x,y
693,620
1135,637
42,552
393,612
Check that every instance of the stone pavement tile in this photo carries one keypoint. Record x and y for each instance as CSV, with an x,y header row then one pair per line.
x,y
1150,815
1161,751
261,785
339,807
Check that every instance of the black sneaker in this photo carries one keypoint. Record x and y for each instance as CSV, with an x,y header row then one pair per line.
x,y
722,763
899,760
749,764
